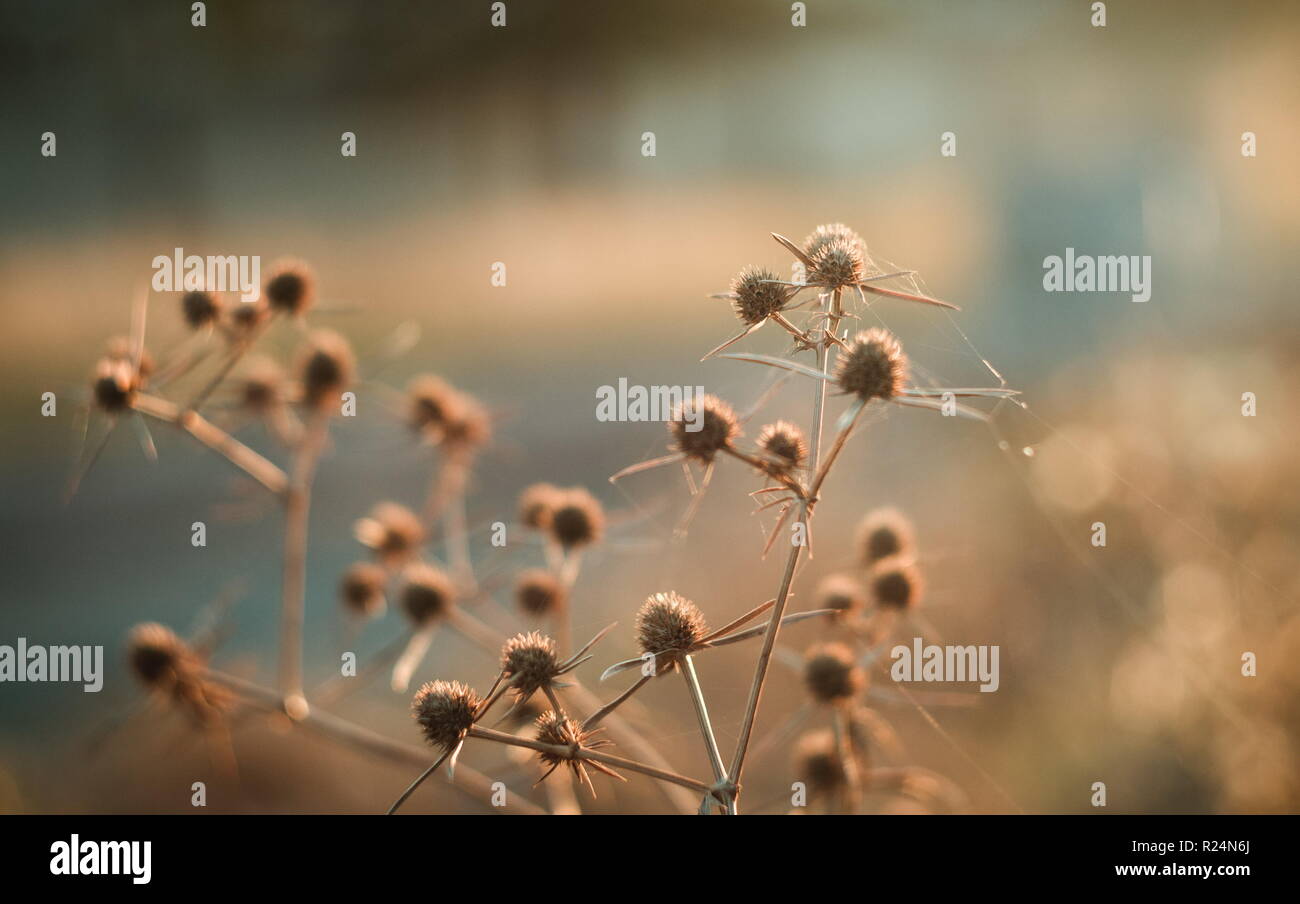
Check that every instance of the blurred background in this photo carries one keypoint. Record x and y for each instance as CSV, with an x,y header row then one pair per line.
x,y
523,145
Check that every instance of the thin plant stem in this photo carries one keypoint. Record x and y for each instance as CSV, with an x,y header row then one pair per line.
x,y
702,714
294,584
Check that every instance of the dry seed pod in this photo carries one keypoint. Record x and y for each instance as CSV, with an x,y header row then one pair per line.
x,y
884,533
718,428
840,592
577,519
362,589
445,711
669,626
290,288
831,674
539,592
200,309
896,584
326,369
757,294
392,530
783,448
873,366
427,594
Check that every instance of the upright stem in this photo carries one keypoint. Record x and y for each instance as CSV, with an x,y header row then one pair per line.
x,y
294,584
702,713
831,308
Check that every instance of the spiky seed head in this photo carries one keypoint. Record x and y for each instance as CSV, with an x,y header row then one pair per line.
x,y
883,533
758,294
392,530
873,366
718,427
838,262
669,625
560,730
431,403
896,584
115,385
783,447
530,660
537,505
539,592
841,592
817,762
828,233
578,519
427,593
830,673
362,588
200,309
468,426
445,711
261,388
290,287
327,368
245,316
158,657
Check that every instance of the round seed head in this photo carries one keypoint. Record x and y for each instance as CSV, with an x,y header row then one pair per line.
x,y
290,287
530,660
828,233
468,425
327,368
200,309
783,447
842,593
537,505
445,712
838,262
362,589
245,316
873,366
431,403
883,533
158,657
427,593
539,592
553,728
115,385
757,294
830,673
669,625
896,584
262,386
817,762
577,519
392,530
718,425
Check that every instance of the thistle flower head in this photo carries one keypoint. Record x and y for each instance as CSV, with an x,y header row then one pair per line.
x,y
840,592
530,661
783,447
467,425
838,262
537,504
561,731
758,294
200,309
261,387
831,232
718,425
362,588
158,657
577,520
445,711
883,533
245,316
873,366
392,530
539,592
427,593
830,673
290,287
669,626
896,584
817,762
326,369
431,403
115,385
